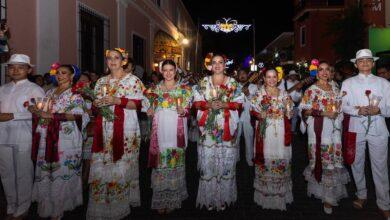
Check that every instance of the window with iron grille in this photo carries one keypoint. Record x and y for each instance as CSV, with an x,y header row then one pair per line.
x,y
139,50
94,38
3,9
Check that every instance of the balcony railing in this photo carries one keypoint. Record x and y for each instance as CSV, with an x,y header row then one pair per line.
x,y
304,4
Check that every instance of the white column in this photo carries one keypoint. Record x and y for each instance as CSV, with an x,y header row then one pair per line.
x,y
150,67
48,37
121,12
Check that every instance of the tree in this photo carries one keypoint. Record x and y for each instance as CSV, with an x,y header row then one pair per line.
x,y
349,31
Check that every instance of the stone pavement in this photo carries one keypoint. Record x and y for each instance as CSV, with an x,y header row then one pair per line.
x,y
303,207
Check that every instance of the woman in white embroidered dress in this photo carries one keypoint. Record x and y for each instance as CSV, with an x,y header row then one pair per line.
x,y
170,103
272,108
114,173
326,174
218,101
58,132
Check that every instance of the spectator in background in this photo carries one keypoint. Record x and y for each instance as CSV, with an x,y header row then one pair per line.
x,y
48,83
38,79
347,70
131,66
138,71
94,77
155,78
332,80
383,71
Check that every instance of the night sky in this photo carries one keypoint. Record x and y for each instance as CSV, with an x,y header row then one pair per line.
x,y
272,17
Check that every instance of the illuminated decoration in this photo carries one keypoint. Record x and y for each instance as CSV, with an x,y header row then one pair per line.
x,y
253,67
226,25
247,62
314,67
229,63
280,72
260,65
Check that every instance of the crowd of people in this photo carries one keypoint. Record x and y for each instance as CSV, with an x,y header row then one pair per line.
x,y
71,132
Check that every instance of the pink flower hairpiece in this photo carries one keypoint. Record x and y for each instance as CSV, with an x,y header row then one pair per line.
x,y
53,68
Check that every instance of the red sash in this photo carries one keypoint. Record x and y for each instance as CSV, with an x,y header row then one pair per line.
x,y
349,141
118,135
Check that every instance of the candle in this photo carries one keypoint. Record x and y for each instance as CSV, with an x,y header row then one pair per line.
x,y
214,93
374,102
288,106
104,90
178,101
39,105
45,104
334,109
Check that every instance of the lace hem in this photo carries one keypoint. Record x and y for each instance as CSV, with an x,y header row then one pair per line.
x,y
57,196
169,199
267,201
168,179
332,187
216,193
55,208
104,211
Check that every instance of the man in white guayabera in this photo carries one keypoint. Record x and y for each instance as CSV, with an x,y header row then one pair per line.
x,y
16,167
366,103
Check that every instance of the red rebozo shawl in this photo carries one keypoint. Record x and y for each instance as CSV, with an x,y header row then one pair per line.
x,y
52,136
259,145
202,105
318,125
349,141
118,136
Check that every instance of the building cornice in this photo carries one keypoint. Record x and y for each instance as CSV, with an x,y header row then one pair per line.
x,y
162,21
300,14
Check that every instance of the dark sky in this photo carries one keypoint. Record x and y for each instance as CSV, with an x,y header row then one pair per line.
x,y
272,17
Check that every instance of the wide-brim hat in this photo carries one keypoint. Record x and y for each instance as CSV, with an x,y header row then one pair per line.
x,y
292,72
19,59
364,53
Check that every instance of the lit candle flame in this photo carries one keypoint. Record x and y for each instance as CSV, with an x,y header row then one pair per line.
x,y
104,90
214,93
178,100
39,105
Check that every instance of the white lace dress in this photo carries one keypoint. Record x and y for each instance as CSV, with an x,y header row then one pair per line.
x,y
217,155
335,176
273,184
168,177
57,186
114,186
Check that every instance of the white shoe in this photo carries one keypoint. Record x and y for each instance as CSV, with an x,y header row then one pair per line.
x,y
210,208
327,210
223,207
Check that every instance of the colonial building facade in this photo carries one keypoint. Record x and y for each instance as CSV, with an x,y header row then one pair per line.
x,y
78,31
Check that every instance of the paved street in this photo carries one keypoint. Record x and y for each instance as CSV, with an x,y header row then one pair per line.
x,y
302,207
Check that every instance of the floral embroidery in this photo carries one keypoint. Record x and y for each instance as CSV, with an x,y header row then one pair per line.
x,y
169,100
172,158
